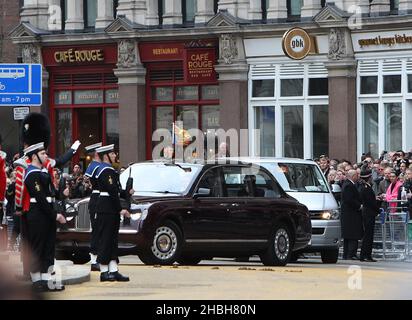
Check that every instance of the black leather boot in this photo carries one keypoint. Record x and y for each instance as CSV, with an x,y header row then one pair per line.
x,y
107,276
119,277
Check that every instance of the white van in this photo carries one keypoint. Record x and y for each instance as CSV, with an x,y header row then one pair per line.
x,y
303,180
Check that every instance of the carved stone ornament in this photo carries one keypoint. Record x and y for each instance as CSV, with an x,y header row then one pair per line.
x,y
30,53
127,55
228,50
337,46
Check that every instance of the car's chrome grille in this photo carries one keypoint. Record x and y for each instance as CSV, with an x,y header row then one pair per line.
x,y
83,217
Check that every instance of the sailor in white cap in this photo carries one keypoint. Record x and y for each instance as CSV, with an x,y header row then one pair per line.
x,y
41,220
91,173
108,215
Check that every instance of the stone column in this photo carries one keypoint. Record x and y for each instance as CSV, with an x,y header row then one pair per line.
x,y
31,53
104,13
353,6
233,88
132,103
74,14
204,11
172,12
310,9
134,10
152,16
243,8
342,95
36,12
277,10
405,7
255,10
342,110
380,8
55,15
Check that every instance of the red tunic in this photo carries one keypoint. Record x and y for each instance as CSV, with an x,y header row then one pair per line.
x,y
3,177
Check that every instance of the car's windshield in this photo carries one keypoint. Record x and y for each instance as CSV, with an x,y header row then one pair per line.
x,y
298,177
160,178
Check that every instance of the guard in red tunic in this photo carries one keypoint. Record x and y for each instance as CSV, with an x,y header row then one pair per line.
x,y
3,180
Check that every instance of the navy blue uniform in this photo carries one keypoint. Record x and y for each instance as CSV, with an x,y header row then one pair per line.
x,y
41,219
91,172
108,213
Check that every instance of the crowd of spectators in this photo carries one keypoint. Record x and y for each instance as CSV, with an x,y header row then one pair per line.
x,y
391,174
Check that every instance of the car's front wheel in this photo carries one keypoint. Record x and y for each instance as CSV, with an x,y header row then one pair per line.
x,y
165,246
280,247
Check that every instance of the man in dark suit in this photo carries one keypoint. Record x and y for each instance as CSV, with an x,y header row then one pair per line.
x,y
370,210
351,217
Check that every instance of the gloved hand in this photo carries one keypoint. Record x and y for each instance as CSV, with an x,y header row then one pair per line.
x,y
76,145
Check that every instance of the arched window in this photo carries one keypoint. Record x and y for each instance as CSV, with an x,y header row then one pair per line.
x,y
264,6
115,5
189,11
160,10
294,9
394,5
63,7
89,13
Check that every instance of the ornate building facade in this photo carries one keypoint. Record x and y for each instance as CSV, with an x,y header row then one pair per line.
x,y
118,70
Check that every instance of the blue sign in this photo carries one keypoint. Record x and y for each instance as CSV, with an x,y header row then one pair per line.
x,y
20,84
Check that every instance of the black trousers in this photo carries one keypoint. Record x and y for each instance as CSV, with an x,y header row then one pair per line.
x,y
16,229
108,234
350,247
25,253
94,241
42,240
367,240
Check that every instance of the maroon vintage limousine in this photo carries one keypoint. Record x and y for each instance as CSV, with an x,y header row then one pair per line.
x,y
184,213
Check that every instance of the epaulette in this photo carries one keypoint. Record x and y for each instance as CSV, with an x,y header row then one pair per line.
x,y
21,162
3,155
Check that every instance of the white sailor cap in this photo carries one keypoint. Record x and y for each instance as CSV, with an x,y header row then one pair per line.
x,y
105,149
93,147
33,148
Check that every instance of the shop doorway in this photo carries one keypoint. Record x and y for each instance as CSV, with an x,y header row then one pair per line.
x,y
88,126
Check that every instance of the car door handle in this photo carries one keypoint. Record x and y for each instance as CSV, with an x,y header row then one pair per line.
x,y
224,204
235,204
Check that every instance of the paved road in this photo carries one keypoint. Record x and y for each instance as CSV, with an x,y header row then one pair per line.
x,y
226,279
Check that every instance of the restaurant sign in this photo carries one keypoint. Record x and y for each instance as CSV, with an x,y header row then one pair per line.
x,y
199,65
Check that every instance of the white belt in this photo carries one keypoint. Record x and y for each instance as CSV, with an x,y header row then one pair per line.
x,y
104,194
95,191
49,200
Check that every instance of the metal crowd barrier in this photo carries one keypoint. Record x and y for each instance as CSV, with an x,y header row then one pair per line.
x,y
393,232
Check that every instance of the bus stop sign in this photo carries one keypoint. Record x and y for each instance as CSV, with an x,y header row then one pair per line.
x,y
20,84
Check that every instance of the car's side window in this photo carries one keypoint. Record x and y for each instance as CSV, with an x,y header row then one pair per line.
x,y
266,187
242,183
233,182
211,182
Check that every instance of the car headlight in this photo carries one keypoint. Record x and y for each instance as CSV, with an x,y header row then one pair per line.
x,y
139,211
330,215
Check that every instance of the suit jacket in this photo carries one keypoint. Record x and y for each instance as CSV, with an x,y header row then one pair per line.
x,y
368,197
351,216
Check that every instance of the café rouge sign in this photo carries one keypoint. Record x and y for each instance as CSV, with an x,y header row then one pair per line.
x,y
76,56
